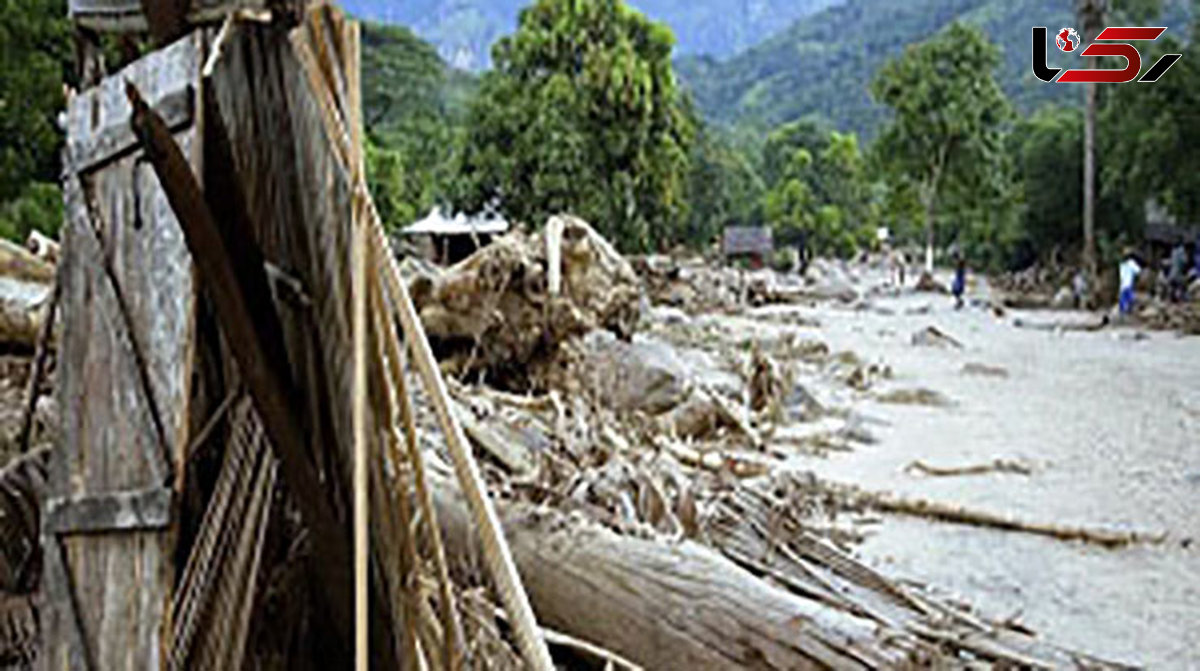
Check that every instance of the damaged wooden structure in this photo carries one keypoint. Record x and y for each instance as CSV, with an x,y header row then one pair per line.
x,y
199,509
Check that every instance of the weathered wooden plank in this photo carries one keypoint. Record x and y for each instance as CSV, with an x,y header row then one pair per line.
x,y
125,362
144,510
141,240
109,443
256,342
127,15
115,140
298,196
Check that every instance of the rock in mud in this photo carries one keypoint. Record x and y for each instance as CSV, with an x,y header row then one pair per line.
x,y
984,370
919,396
932,336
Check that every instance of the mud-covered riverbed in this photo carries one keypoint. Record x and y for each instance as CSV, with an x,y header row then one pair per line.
x,y
1108,421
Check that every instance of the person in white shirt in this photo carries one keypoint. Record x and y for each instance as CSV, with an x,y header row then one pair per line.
x,y
1129,271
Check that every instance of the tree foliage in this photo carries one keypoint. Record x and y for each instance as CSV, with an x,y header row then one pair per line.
x,y
723,186
582,114
1149,134
35,42
949,119
819,188
414,108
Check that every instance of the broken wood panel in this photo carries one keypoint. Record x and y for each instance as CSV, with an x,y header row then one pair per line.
x,y
148,509
297,195
115,139
128,302
127,15
143,244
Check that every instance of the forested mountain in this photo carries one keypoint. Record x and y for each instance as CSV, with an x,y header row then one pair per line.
x,y
822,64
463,31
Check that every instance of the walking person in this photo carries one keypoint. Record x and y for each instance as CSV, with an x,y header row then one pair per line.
x,y
960,279
1177,273
1128,272
1079,289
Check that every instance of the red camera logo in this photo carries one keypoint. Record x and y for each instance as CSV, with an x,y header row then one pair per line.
x,y
1068,40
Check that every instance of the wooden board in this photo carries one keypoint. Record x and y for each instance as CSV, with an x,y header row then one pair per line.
x,y
128,306
127,16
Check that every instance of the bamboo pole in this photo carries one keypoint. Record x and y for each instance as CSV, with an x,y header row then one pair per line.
x,y
358,279
361,530
393,355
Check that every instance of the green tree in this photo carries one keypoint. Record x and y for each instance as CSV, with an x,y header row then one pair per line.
x,y
414,109
1046,148
723,187
810,134
1151,132
822,192
582,114
949,114
34,39
35,43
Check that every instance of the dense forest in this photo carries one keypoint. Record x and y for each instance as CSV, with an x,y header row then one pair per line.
x,y
916,116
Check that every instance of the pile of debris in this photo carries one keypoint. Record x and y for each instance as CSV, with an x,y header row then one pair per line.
x,y
656,438
508,307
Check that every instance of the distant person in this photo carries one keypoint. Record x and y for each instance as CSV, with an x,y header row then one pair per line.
x,y
1079,288
1128,272
1196,258
960,280
1177,273
895,262
802,251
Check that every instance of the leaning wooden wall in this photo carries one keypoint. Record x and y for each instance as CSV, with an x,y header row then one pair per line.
x,y
125,366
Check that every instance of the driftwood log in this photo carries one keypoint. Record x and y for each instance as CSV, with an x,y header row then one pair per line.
x,y
26,287
663,605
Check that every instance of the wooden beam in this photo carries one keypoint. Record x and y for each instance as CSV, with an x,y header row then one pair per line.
x,y
144,510
167,18
116,140
241,298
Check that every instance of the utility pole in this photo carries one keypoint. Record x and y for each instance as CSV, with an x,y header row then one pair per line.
x,y
1091,14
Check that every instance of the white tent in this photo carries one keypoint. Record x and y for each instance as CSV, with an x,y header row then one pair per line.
x,y
437,223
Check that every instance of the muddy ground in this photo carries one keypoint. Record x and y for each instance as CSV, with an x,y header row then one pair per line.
x,y
1108,421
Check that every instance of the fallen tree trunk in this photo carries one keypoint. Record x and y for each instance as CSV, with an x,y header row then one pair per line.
x,y
26,285
668,605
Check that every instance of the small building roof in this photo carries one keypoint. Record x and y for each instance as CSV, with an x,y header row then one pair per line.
x,y
747,240
437,223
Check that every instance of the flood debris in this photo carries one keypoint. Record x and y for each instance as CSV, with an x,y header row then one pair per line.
x,y
932,336
995,466
887,502
977,369
508,306
915,396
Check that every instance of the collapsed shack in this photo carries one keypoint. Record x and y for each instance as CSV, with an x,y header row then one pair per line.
x,y
236,336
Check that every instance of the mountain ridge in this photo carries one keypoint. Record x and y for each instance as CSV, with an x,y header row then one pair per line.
x,y
463,31
815,68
